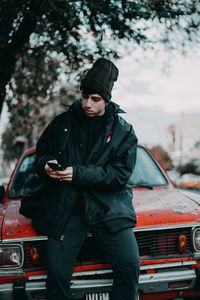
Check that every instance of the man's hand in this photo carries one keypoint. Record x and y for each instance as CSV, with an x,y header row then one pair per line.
x,y
65,175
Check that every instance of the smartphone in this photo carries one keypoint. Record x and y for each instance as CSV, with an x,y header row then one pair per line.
x,y
55,166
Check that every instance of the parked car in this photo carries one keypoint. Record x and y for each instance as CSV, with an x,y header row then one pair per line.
x,y
167,232
197,186
189,181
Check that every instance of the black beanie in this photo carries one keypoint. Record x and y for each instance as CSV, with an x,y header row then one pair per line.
x,y
100,79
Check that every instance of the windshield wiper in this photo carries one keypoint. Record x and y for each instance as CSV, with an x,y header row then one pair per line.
x,y
143,185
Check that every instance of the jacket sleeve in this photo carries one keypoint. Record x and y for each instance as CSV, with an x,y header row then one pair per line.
x,y
44,151
112,176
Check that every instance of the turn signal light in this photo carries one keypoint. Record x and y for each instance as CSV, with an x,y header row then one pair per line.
x,y
34,256
182,243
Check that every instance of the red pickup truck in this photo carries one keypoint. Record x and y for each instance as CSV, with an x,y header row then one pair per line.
x,y
167,232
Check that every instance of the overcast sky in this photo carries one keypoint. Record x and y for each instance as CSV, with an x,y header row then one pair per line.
x,y
146,83
154,91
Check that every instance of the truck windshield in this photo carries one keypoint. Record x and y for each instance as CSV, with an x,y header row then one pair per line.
x,y
25,180
146,173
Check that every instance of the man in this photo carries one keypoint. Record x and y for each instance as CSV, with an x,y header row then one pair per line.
x,y
97,151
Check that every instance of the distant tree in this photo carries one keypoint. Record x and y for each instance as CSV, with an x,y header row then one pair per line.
x,y
162,156
189,167
9,151
79,31
197,145
35,96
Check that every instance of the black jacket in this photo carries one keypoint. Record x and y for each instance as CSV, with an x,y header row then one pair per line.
x,y
101,180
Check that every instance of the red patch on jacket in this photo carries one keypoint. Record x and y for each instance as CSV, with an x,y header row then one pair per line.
x,y
109,137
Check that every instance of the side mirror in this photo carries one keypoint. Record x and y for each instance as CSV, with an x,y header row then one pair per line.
x,y
2,193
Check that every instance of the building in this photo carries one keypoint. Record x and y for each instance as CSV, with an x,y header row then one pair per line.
x,y
183,138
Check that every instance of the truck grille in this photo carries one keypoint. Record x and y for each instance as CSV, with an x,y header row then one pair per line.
x,y
152,244
163,243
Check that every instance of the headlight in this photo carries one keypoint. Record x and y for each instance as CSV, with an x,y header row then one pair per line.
x,y
11,256
196,239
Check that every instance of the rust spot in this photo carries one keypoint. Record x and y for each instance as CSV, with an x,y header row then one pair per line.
x,y
154,213
11,233
181,209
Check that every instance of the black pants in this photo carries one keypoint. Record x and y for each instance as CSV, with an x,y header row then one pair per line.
x,y
120,249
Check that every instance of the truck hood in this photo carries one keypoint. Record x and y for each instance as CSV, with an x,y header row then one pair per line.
x,y
15,225
2,214
160,207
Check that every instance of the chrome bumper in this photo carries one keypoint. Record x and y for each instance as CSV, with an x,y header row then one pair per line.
x,y
148,283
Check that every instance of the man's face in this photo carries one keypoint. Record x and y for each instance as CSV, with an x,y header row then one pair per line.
x,y
93,105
